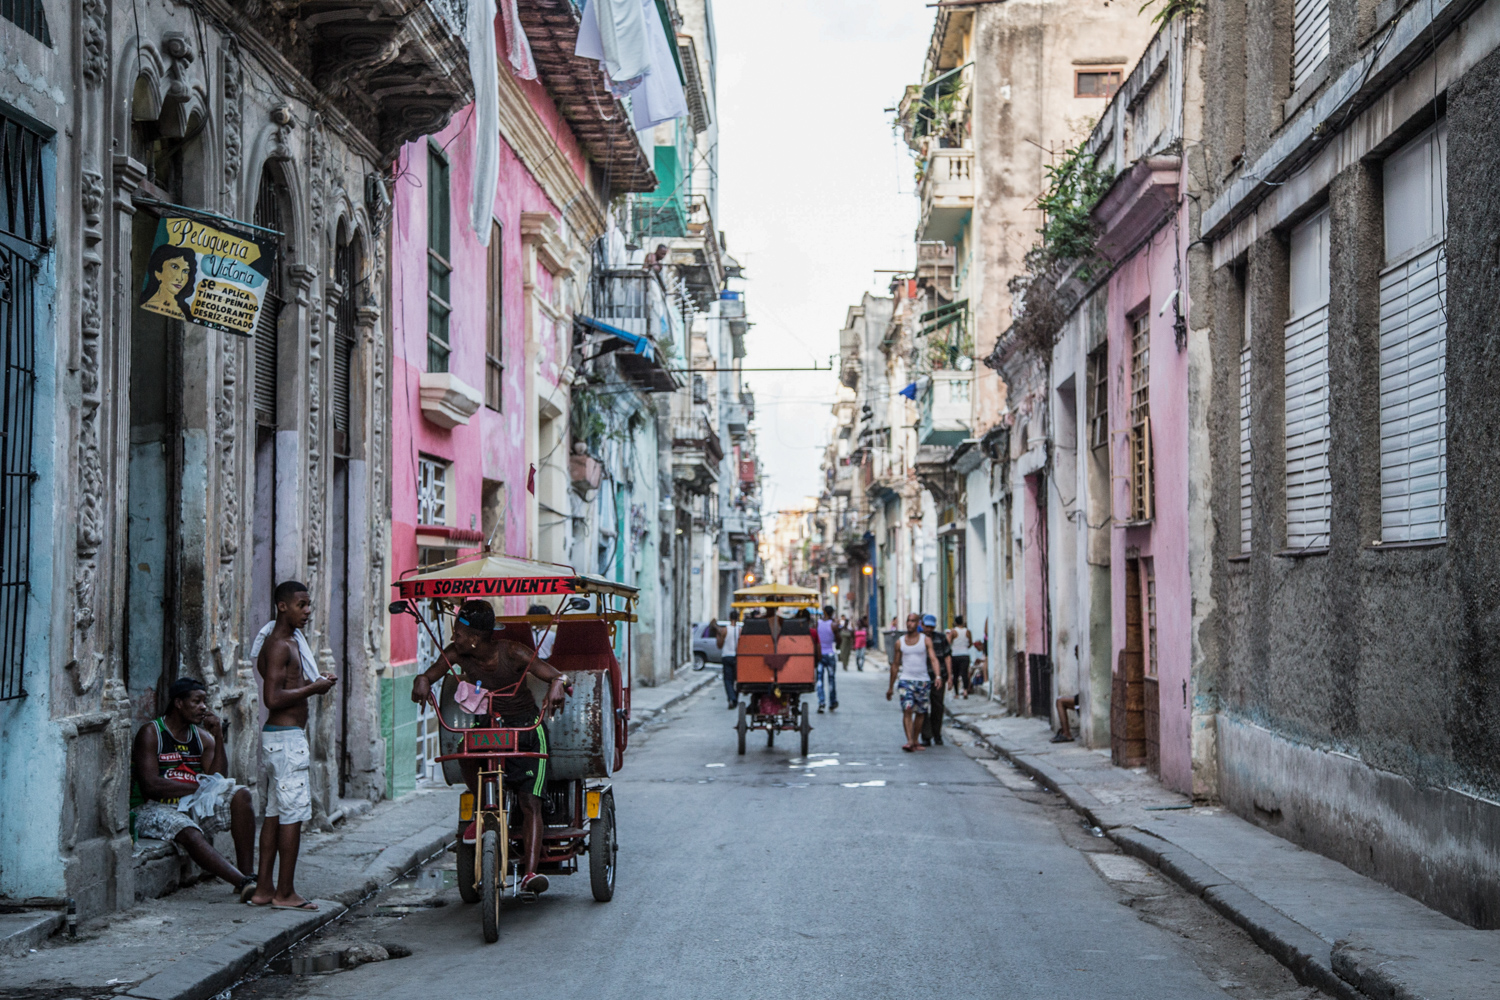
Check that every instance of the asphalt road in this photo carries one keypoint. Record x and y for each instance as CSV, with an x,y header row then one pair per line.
x,y
860,872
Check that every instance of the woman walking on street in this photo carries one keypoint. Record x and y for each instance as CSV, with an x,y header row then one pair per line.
x,y
861,640
846,643
961,641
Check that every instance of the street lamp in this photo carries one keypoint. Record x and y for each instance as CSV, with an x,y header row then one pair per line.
x,y
867,569
835,588
749,579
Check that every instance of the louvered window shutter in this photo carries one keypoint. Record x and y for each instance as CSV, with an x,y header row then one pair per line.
x,y
1413,344
1308,491
268,214
1309,39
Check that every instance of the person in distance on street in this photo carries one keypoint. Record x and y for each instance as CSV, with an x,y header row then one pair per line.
x,y
825,641
911,670
729,641
961,645
932,728
500,666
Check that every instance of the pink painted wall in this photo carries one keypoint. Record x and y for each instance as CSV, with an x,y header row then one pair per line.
x,y
493,444
1146,281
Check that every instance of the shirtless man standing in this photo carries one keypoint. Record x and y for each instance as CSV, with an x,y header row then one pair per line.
x,y
287,683
500,665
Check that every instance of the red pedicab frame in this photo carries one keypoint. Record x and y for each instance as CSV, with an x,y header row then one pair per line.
x,y
491,746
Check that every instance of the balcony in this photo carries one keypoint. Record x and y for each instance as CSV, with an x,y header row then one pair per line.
x,y
843,478
696,453
632,312
737,419
947,194
945,409
741,524
397,70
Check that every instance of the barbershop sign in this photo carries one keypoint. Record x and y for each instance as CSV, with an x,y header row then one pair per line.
x,y
209,274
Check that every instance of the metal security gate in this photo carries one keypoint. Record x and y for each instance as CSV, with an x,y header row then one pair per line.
x,y
25,229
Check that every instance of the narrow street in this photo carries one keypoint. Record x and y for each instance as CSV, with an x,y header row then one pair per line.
x,y
860,871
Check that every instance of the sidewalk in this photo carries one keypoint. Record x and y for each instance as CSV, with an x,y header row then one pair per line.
x,y
646,703
1348,935
199,940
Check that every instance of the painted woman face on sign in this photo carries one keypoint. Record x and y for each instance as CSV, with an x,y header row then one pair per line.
x,y
169,282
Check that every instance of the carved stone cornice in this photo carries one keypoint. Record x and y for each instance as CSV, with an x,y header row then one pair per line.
x,y
539,230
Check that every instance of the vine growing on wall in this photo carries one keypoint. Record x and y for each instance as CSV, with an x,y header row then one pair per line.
x,y
1068,239
1172,9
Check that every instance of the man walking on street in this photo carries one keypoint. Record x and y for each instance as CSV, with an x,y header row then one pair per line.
x,y
729,641
911,668
932,729
825,642
289,676
846,643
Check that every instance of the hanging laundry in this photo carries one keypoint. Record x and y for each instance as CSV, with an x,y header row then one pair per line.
x,y
485,70
660,97
518,49
614,32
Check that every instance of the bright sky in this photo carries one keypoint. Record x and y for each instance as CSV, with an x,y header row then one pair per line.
x,y
815,193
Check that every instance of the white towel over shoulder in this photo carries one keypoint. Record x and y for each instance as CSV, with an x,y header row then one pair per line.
x,y
304,651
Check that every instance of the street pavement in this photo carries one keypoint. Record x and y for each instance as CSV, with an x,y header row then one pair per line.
x,y
861,871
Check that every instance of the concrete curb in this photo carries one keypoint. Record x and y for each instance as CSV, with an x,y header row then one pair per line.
x,y
217,966
1308,956
696,684
20,932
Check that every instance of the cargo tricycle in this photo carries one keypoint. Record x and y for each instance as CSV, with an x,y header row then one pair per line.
x,y
776,660
585,741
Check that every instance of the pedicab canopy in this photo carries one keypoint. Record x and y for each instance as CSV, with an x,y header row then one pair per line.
x,y
495,575
775,595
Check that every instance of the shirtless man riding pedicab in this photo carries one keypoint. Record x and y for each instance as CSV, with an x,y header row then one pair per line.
x,y
500,667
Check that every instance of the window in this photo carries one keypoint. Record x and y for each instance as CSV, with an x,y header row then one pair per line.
x,y
1308,493
1413,342
1140,417
1096,82
439,268
30,16
23,218
1246,463
344,339
1098,396
1309,39
268,214
432,491
494,343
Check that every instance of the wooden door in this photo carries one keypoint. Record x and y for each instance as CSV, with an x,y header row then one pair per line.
x,y
1127,722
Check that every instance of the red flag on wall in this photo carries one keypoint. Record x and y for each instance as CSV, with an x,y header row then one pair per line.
x,y
531,481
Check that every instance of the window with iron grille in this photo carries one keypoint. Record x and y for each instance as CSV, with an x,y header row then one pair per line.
x,y
1098,397
30,16
1141,508
439,267
344,342
494,349
1149,568
432,491
23,218
268,203
1246,454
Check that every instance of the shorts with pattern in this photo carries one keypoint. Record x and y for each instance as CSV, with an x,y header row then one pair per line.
x,y
915,695
162,821
285,760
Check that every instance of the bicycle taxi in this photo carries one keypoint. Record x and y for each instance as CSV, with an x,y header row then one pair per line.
x,y
586,738
775,660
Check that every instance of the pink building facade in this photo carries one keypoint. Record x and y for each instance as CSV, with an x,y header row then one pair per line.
x,y
481,342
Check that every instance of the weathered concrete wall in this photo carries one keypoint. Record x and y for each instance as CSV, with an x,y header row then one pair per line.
x,y
1437,844
1358,687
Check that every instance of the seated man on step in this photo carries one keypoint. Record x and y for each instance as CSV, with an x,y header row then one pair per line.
x,y
180,790
500,667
